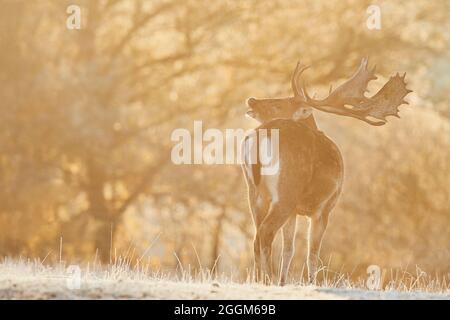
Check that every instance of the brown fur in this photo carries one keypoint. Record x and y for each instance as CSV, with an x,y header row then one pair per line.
x,y
309,183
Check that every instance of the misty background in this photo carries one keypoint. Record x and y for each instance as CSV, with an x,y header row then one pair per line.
x,y
87,117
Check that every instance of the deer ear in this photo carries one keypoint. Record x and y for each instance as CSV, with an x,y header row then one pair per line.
x,y
250,101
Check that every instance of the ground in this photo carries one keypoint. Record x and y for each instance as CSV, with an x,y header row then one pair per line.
x,y
33,281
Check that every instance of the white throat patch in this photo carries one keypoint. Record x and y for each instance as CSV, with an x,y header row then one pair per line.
x,y
302,113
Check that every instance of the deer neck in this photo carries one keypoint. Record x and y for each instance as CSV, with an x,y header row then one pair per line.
x,y
310,122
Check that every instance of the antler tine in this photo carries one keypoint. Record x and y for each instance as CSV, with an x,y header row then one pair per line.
x,y
299,69
293,79
305,93
364,62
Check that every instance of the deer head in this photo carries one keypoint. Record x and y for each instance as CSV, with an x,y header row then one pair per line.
x,y
264,110
346,100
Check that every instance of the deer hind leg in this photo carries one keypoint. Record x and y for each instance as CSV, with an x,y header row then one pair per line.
x,y
277,216
288,231
259,208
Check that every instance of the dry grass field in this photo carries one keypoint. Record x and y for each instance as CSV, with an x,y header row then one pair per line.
x,y
32,280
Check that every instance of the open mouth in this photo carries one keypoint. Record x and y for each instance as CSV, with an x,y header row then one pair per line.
x,y
250,113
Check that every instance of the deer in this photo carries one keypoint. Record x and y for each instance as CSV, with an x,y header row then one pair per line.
x,y
310,174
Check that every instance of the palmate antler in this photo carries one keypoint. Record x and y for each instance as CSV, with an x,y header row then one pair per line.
x,y
351,93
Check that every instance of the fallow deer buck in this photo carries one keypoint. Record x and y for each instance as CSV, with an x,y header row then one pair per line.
x,y
311,171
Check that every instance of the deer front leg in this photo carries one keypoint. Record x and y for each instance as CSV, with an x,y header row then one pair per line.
x,y
288,231
317,227
257,268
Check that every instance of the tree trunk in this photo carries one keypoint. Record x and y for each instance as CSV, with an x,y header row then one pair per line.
x,y
217,236
104,240
98,210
